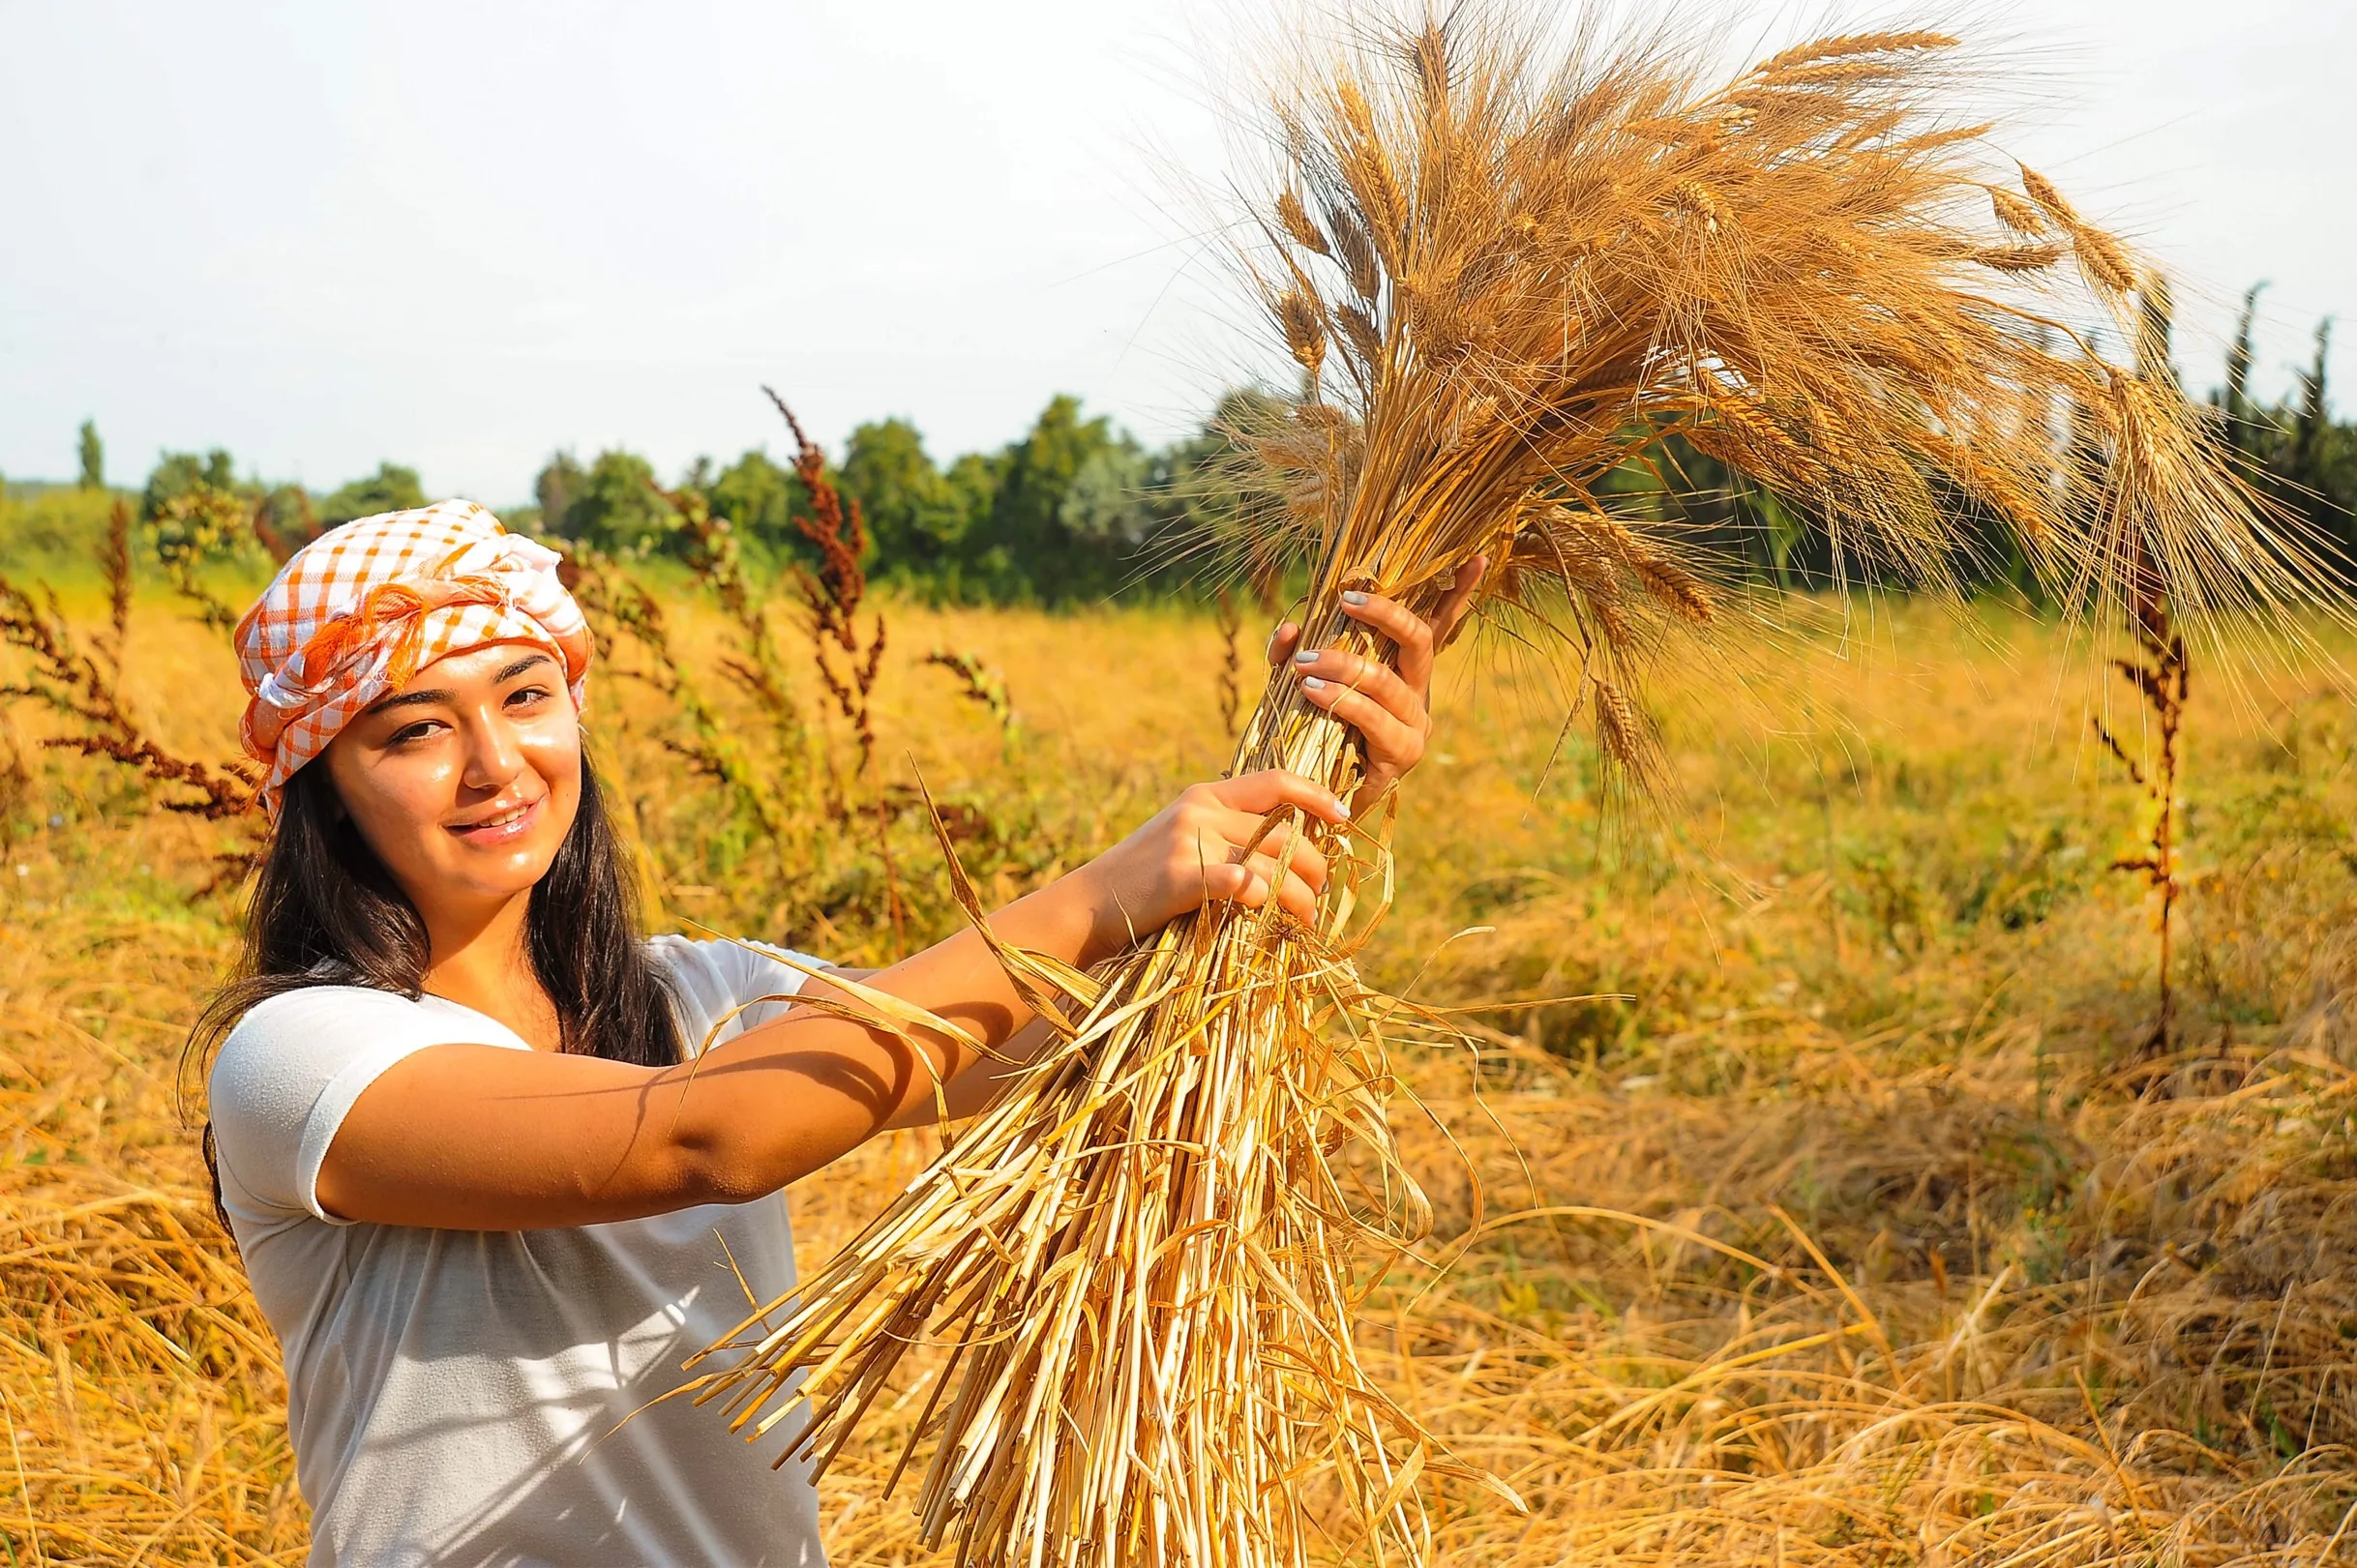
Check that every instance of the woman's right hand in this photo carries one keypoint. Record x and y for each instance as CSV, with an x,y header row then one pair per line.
x,y
1193,852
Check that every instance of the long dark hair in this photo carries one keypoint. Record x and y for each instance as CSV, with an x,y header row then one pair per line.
x,y
325,912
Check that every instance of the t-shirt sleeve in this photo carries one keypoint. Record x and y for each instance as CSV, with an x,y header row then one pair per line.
x,y
290,1070
726,987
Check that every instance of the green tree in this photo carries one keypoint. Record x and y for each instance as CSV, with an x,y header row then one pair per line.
x,y
2310,425
1104,509
285,520
2317,457
972,482
1199,491
94,456
616,507
2295,449
198,514
760,500
181,473
391,489
2235,401
917,515
1029,549
559,482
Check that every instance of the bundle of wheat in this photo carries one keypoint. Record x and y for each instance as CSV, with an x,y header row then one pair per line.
x,y
1519,276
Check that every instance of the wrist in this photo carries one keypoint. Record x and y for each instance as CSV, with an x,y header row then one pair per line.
x,y
1077,918
1109,923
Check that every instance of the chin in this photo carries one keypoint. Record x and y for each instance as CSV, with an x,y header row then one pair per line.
x,y
499,883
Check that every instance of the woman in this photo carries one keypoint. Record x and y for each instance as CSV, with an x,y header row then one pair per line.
x,y
496,1162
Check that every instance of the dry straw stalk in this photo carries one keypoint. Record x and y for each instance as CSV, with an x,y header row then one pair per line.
x,y
1509,271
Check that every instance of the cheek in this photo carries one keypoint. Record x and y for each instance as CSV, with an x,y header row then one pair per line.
x,y
394,801
553,751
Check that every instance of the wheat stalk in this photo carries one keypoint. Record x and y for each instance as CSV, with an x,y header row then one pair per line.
x,y
1524,279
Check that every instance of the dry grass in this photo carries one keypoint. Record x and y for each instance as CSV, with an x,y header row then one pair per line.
x,y
1879,986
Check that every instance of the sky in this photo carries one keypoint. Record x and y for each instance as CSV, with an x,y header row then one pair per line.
x,y
465,236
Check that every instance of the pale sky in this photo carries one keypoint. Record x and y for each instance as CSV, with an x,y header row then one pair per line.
x,y
463,236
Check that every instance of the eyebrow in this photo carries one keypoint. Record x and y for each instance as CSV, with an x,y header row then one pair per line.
x,y
434,694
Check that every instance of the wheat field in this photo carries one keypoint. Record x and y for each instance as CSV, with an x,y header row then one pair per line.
x,y
1820,1210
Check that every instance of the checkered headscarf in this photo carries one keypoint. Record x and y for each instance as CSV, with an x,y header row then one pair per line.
x,y
362,608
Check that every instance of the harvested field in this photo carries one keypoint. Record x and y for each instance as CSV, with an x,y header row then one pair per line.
x,y
1829,1215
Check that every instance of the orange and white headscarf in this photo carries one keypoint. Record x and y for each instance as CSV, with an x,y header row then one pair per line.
x,y
362,607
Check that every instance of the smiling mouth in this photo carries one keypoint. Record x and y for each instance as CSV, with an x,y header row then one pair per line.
x,y
506,824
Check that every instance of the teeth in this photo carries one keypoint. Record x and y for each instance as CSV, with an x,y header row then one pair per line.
x,y
499,821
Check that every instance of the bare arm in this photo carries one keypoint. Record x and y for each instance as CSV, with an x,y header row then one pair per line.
x,y
485,1138
976,1089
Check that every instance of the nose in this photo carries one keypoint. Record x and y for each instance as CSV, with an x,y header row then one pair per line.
x,y
494,753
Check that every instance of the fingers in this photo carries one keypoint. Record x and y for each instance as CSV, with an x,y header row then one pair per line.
x,y
1451,611
1370,695
1416,639
1248,884
1328,673
1279,842
1260,793
1409,632
1292,892
1283,640
1239,855
1394,744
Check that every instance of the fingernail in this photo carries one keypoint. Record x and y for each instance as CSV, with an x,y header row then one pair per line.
x,y
1311,683
1351,595
1342,809
1307,656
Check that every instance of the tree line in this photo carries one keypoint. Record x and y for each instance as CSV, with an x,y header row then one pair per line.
x,y
1076,509
1073,510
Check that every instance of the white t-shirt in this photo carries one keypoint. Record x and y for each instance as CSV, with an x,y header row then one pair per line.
x,y
458,1397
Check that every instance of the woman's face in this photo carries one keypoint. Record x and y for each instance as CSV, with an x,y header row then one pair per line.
x,y
464,782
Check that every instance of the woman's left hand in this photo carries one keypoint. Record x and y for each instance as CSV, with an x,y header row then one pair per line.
x,y
1389,703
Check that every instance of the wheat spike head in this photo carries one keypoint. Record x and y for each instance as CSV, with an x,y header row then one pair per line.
x,y
1527,274
1816,273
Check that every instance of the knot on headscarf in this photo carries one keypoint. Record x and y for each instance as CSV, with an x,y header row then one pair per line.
x,y
362,607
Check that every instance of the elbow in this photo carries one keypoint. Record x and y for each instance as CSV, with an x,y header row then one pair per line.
x,y
714,1166
736,1148
740,1169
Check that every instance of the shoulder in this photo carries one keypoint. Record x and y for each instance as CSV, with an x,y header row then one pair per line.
x,y
293,1066
288,1047
723,988
309,1016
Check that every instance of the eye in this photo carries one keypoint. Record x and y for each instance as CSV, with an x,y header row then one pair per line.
x,y
523,696
410,734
